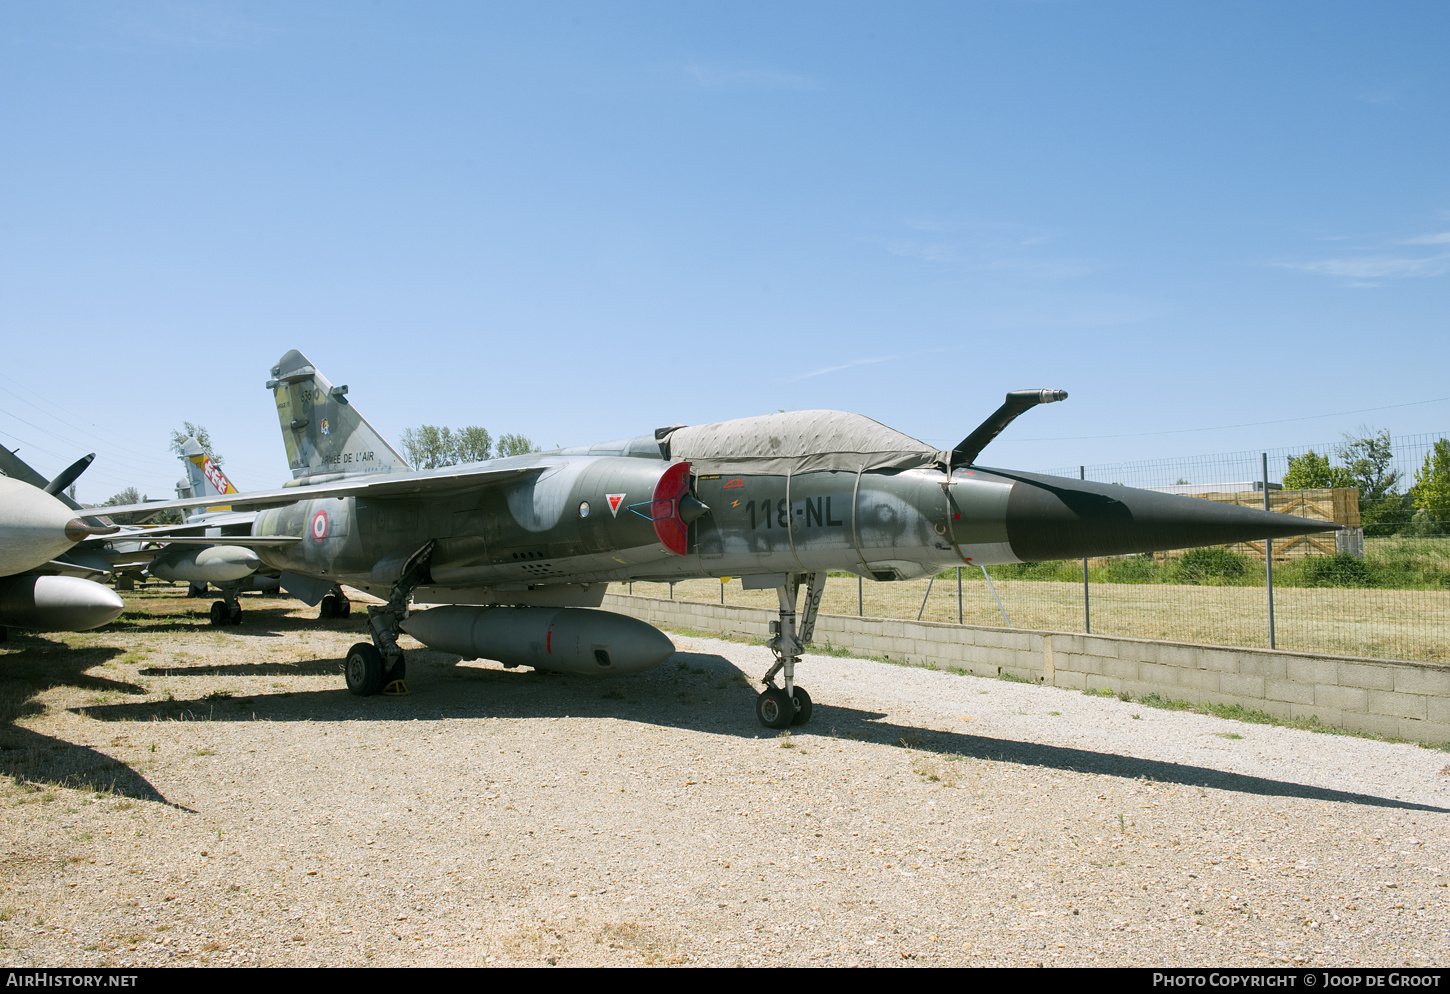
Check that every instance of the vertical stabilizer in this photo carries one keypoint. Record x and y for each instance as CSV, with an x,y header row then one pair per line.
x,y
325,436
204,477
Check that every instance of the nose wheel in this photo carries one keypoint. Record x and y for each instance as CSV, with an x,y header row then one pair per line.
x,y
227,612
777,709
783,707
334,605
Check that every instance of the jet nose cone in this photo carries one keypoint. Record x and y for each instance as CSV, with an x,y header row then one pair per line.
x,y
78,531
1055,518
34,527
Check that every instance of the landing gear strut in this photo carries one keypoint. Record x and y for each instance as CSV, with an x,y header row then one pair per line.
x,y
379,667
782,707
334,605
229,610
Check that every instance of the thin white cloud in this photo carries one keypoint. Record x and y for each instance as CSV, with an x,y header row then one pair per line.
x,y
989,260
715,78
1371,265
205,24
1001,247
845,365
1443,238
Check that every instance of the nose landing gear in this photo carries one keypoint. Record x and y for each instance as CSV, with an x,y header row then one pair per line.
x,y
782,707
229,610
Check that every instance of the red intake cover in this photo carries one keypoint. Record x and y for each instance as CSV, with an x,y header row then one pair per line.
x,y
664,508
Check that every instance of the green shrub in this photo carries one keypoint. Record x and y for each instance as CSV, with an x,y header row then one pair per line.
x,y
1132,569
1211,564
1339,570
1051,570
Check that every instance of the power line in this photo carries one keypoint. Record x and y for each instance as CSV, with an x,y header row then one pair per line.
x,y
1246,424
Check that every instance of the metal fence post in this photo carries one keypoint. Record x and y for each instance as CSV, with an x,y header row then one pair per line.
x,y
926,595
959,595
1087,614
1269,559
860,602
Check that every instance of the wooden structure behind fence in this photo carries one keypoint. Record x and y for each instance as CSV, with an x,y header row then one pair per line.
x,y
1339,505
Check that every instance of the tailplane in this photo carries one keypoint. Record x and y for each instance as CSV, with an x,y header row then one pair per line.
x,y
326,437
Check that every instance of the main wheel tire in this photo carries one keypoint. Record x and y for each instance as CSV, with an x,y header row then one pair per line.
x,y
344,607
328,608
218,612
234,614
802,702
774,709
363,670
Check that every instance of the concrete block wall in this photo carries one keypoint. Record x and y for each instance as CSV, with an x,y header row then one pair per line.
x,y
1409,700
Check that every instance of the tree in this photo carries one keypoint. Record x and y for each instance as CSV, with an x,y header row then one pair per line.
x,y
198,432
128,496
1369,458
515,445
1311,471
474,444
131,496
428,446
1431,491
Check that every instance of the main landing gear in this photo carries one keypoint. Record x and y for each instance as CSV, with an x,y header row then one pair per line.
x,y
379,667
782,707
334,605
229,610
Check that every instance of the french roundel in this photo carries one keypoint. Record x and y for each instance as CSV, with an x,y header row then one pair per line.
x,y
319,525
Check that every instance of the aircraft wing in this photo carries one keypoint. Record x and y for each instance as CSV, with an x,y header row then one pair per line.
x,y
64,567
244,541
172,533
451,480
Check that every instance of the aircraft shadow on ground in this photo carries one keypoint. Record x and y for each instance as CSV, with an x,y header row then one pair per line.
x,y
694,691
265,622
306,667
31,758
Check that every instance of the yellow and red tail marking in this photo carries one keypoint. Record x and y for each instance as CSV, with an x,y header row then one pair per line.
x,y
215,477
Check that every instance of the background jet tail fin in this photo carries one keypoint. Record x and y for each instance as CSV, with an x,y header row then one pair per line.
x,y
204,478
325,436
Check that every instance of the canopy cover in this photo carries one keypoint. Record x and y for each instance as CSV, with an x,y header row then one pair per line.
x,y
795,442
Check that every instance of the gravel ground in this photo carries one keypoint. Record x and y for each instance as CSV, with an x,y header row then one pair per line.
x,y
179,795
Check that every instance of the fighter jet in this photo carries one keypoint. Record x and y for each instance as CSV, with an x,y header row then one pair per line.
x,y
516,550
220,561
35,527
211,546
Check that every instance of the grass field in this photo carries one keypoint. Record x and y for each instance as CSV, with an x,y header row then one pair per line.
x,y
1374,622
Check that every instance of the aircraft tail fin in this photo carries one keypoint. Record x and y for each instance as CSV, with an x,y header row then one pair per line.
x,y
325,436
204,478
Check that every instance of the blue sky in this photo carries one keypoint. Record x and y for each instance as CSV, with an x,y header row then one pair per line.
x,y
582,221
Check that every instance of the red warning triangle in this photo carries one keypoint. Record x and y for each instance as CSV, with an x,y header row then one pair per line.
x,y
614,501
